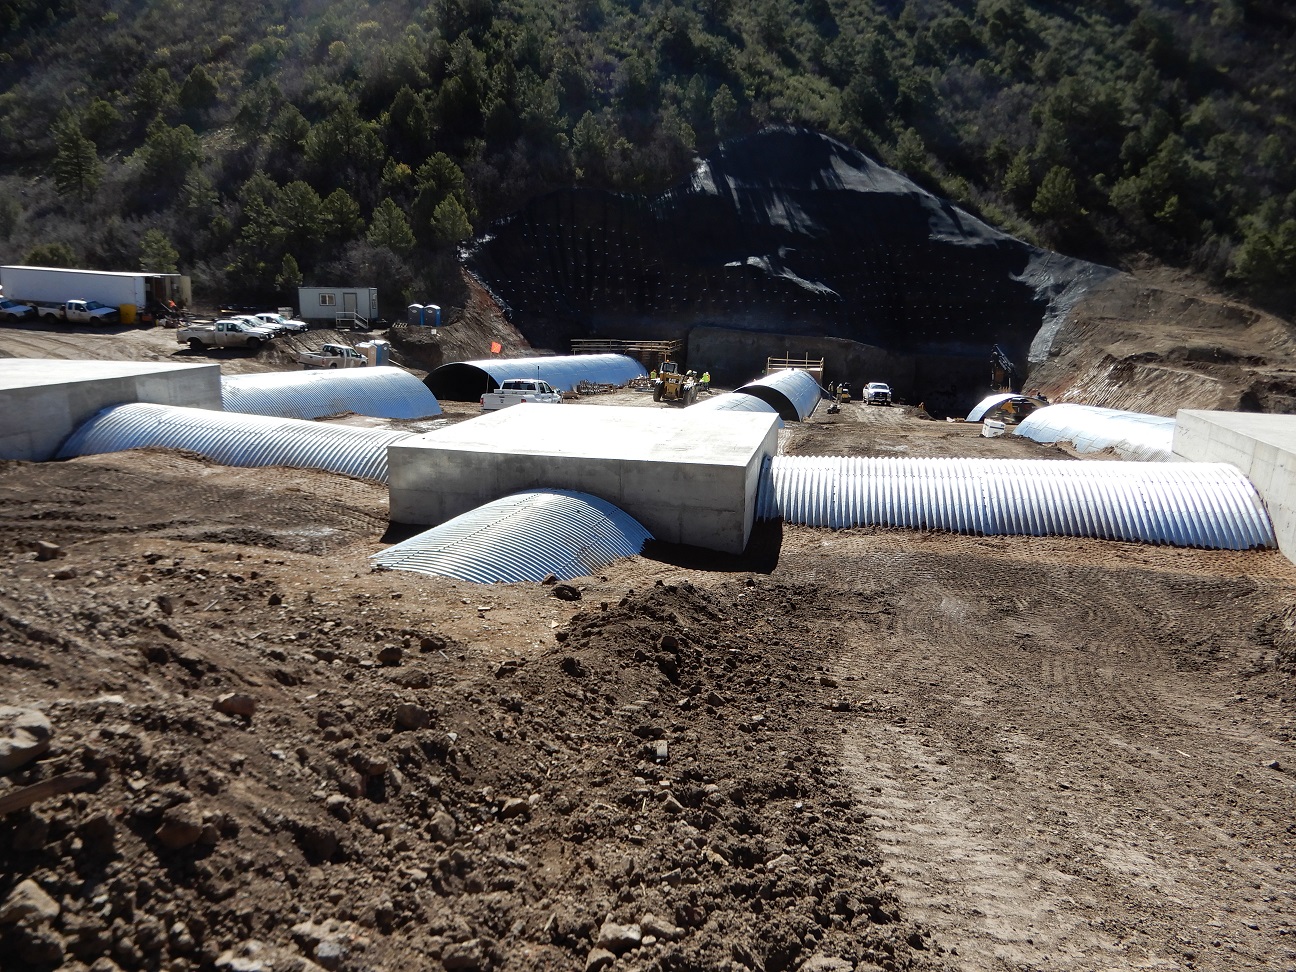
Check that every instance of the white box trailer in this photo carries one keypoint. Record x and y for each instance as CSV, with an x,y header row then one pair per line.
x,y
55,285
344,306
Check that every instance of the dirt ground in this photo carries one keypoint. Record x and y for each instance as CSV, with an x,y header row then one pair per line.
x,y
854,750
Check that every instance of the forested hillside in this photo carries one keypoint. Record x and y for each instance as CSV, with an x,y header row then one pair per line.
x,y
256,145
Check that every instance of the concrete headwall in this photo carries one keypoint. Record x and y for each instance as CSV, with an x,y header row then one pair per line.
x,y
689,479
1262,446
43,401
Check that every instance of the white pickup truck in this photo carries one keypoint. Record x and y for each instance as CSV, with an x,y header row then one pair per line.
x,y
223,334
79,312
515,391
333,356
12,310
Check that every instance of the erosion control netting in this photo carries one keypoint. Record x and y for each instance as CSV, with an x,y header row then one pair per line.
x,y
788,233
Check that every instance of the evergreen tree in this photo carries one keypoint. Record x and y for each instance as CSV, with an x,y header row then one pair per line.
x,y
157,255
390,228
77,169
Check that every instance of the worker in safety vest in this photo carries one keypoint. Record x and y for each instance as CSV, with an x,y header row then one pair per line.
x,y
706,380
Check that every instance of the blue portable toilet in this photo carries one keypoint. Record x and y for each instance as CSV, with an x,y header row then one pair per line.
x,y
432,315
414,314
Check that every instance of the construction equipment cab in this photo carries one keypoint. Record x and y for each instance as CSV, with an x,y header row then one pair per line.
x,y
673,386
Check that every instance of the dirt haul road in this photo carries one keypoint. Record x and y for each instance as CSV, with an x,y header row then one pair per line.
x,y
853,750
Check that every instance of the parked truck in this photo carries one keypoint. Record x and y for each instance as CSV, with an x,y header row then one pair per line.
x,y
333,356
223,334
56,285
15,310
78,312
516,391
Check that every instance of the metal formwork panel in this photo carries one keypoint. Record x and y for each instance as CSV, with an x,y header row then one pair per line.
x,y
522,537
1131,435
234,439
793,393
379,391
1187,504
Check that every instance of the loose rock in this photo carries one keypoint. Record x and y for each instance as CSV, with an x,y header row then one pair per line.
x,y
28,903
24,735
618,938
236,703
411,716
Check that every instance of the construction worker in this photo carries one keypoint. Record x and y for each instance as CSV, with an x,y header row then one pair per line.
x,y
653,374
706,381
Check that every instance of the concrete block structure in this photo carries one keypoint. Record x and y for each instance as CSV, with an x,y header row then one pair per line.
x,y
687,478
1263,446
42,401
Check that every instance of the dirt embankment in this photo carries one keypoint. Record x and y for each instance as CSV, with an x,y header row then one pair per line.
x,y
1154,343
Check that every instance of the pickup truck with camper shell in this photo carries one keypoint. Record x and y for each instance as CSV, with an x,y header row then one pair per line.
x,y
79,312
228,333
333,356
516,391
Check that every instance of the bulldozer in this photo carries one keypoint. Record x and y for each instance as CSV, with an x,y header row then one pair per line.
x,y
673,385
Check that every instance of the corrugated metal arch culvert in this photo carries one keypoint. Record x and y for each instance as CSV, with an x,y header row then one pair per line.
x,y
466,381
1131,435
234,439
522,537
380,391
734,402
1185,504
793,393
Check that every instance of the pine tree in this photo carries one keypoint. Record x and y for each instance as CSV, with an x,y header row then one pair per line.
x,y
77,169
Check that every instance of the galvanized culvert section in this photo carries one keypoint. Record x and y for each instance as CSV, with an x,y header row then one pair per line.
x,y
381,391
464,381
1186,504
234,439
792,393
1131,435
522,537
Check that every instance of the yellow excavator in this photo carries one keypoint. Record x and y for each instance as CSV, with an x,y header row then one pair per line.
x,y
673,385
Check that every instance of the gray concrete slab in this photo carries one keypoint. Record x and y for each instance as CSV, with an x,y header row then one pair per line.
x,y
688,478
43,400
1262,446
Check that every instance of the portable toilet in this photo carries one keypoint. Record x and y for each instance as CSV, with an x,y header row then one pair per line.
x,y
377,351
414,314
432,315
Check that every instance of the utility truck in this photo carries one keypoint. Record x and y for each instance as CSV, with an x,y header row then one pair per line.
x,y
78,312
223,334
518,391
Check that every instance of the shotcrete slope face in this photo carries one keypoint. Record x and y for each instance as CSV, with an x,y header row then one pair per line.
x,y
787,236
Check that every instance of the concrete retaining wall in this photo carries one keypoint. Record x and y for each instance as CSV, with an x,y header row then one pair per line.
x,y
1262,446
43,401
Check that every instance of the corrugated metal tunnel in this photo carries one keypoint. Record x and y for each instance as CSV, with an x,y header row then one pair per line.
x,y
522,537
1131,435
382,392
233,439
466,381
1187,504
792,393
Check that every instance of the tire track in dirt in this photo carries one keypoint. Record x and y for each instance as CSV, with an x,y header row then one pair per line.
x,y
1064,781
